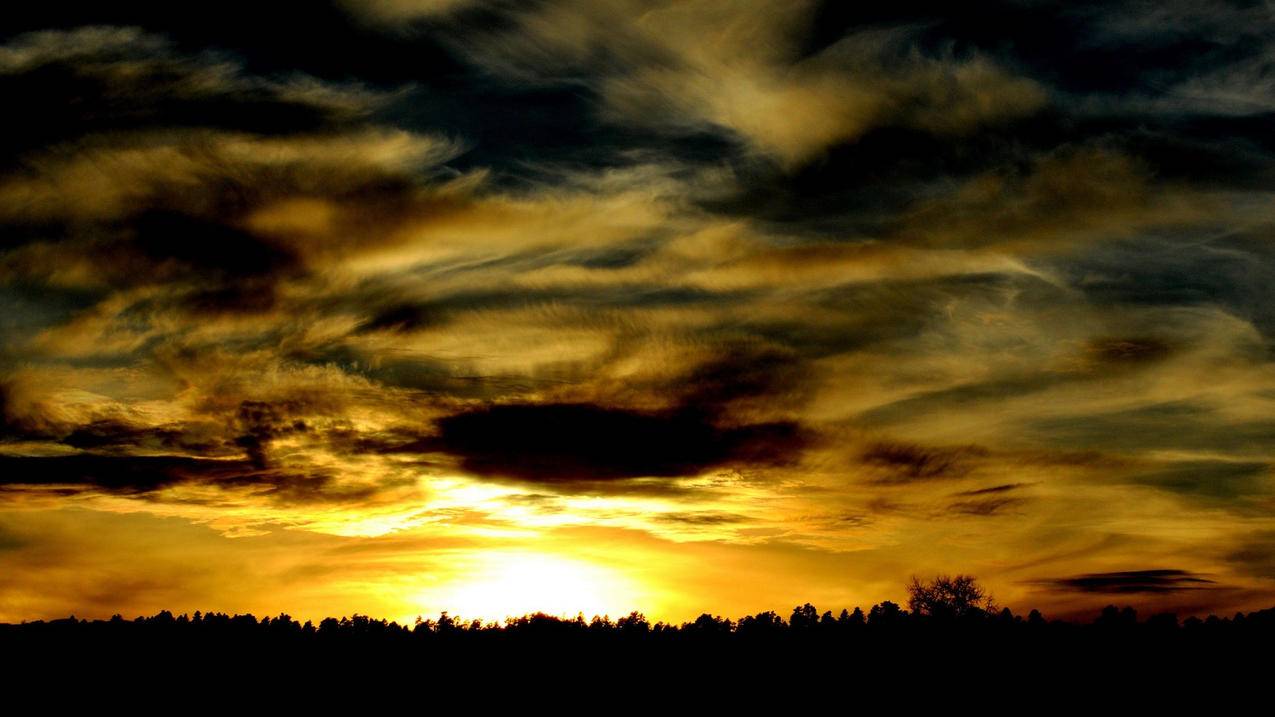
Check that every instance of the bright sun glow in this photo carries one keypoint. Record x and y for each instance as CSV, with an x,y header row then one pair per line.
x,y
512,584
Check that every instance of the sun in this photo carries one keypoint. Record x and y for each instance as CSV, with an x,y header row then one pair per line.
x,y
506,584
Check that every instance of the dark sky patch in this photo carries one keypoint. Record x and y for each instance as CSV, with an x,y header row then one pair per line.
x,y
31,307
248,296
1226,481
1255,555
116,77
1231,272
857,189
1173,425
209,247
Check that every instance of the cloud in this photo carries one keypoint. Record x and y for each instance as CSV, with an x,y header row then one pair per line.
x,y
990,501
1172,425
124,474
831,281
1128,351
274,492
1232,481
397,11
104,79
1069,195
215,173
560,443
985,507
993,490
687,67
1135,582
905,462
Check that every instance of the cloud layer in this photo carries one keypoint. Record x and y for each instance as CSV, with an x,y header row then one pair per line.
x,y
821,296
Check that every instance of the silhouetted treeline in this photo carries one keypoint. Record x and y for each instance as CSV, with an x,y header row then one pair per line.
x,y
806,626
885,650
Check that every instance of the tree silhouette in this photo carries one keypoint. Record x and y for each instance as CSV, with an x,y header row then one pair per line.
x,y
949,597
804,617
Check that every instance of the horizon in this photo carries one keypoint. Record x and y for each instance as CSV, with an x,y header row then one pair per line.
x,y
397,307
1082,617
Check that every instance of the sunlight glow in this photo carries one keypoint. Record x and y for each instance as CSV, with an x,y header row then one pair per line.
x,y
513,584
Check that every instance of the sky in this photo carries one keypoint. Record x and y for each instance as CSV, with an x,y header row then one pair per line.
x,y
394,307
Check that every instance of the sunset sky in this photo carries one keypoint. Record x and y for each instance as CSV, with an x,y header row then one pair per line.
x,y
400,306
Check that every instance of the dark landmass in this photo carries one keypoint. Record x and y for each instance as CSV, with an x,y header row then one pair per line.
x,y
949,645
885,628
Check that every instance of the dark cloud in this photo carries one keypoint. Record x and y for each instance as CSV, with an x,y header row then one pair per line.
x,y
909,462
108,433
704,517
1135,582
405,316
993,500
290,487
1128,351
402,317
113,473
143,475
261,422
984,506
22,422
10,425
743,372
580,442
118,437
993,490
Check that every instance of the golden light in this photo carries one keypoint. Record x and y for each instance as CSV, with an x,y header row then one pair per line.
x,y
505,584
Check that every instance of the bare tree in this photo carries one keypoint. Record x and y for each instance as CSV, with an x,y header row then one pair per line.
x,y
949,596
